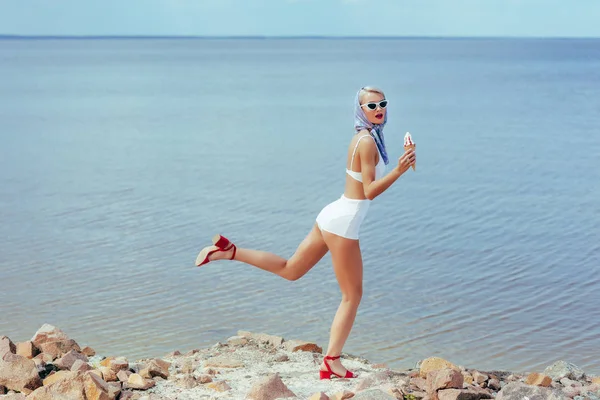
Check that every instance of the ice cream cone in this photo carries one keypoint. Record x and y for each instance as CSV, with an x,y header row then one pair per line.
x,y
412,146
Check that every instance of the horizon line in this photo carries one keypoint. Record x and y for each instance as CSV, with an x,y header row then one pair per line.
x,y
265,37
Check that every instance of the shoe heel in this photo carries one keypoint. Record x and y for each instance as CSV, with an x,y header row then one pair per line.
x,y
324,374
220,241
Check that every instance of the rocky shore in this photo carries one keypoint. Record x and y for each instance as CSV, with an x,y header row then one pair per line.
x,y
259,366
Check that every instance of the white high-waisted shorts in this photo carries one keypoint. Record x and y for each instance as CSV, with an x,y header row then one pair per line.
x,y
343,217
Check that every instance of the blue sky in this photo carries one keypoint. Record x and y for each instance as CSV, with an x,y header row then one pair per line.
x,y
578,18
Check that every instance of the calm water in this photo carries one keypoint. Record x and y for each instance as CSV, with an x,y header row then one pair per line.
x,y
119,159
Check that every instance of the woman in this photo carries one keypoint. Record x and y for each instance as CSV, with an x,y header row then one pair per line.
x,y
337,225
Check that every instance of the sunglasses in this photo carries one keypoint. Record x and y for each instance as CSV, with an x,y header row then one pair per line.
x,y
372,106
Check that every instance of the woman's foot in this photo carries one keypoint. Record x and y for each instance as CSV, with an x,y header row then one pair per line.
x,y
222,249
332,367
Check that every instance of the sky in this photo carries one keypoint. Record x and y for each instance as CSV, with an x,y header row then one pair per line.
x,y
520,18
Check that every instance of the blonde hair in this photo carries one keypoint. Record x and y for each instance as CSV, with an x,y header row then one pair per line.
x,y
369,89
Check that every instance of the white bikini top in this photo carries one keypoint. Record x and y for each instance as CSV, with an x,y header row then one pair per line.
x,y
379,168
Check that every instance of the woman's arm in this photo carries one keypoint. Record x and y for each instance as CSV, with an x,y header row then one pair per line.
x,y
368,155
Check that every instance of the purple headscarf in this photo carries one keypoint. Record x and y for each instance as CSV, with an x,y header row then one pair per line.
x,y
362,122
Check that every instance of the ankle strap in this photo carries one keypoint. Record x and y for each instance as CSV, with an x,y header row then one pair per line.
x,y
332,357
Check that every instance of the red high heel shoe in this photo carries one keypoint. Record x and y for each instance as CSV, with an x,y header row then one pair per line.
x,y
327,374
221,243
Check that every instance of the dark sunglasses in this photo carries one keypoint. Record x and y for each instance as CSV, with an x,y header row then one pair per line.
x,y
372,106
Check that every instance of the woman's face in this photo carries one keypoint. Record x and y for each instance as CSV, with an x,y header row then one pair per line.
x,y
374,106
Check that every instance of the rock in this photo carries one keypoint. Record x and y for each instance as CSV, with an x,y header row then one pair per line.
x,y
7,346
418,383
596,380
219,386
211,371
594,387
463,394
51,340
18,373
237,341
26,349
538,379
433,364
419,395
126,395
14,396
479,377
187,382
106,362
519,391
281,358
373,394
158,367
67,360
299,345
114,388
69,387
494,384
274,341
88,351
108,374
136,381
46,358
96,372
571,391
188,367
123,375
343,395
145,373
97,389
118,364
468,378
319,396
570,382
57,376
445,378
223,362
173,354
80,365
562,369
204,378
269,388
372,380
2,390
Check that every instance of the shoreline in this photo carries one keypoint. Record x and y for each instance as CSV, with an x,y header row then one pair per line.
x,y
260,366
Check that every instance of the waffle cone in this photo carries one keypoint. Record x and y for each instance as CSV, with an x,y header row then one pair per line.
x,y
412,146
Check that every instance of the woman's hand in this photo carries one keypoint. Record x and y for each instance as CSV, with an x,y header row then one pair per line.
x,y
406,160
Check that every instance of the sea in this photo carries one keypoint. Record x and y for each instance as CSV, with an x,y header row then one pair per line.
x,y
120,158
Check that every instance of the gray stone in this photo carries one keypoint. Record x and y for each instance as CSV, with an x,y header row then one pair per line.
x,y
519,391
562,369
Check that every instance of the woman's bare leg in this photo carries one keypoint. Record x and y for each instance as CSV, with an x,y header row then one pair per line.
x,y
348,268
307,255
